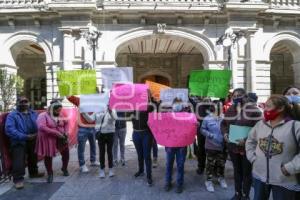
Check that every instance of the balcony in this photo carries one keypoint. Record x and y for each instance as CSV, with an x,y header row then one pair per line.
x,y
145,4
284,4
22,3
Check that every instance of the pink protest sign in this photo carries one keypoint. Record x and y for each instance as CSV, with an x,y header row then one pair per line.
x,y
129,97
71,114
173,129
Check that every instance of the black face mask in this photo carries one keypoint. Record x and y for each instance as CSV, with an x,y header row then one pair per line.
x,y
55,114
23,107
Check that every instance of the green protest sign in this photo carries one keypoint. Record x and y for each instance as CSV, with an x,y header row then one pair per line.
x,y
75,82
209,83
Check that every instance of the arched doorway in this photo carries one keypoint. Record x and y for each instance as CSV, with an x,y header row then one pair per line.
x,y
282,72
154,55
30,59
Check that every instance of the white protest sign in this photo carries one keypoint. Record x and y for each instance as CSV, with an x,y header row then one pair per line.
x,y
116,75
94,102
168,95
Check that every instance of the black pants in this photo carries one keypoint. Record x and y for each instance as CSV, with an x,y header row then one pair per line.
x,y
20,153
201,154
105,143
242,173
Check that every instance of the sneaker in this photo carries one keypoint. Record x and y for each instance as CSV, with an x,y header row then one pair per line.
x,y
179,189
84,169
149,182
168,187
95,164
101,173
222,182
122,162
111,173
115,163
139,174
154,165
209,186
19,185
37,175
50,178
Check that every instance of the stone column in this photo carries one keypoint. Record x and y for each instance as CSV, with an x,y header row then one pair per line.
x,y
68,46
251,56
263,78
51,77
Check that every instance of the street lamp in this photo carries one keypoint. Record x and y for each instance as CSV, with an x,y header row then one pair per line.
x,y
92,35
228,40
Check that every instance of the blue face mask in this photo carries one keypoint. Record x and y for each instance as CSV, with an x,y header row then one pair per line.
x,y
294,99
238,100
177,107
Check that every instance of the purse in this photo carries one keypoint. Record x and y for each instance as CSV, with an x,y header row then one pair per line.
x,y
99,132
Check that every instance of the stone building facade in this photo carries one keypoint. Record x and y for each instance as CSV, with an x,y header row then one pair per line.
x,y
161,39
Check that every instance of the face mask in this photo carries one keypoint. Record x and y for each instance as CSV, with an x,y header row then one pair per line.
x,y
294,99
55,114
237,101
177,107
23,107
271,114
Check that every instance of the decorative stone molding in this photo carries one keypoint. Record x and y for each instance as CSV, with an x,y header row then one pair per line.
x,y
143,20
160,28
11,22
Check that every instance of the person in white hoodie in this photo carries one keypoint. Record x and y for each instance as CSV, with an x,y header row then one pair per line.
x,y
105,129
273,149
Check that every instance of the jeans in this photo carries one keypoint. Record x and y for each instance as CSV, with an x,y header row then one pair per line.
x,y
105,143
180,154
262,192
65,156
119,141
85,134
242,170
155,149
142,141
19,153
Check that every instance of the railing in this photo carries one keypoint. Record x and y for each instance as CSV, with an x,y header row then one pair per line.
x,y
285,3
22,3
41,3
161,1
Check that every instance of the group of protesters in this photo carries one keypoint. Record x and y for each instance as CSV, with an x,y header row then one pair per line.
x,y
268,159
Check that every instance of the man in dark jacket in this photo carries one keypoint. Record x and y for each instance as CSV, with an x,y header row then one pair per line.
x,y
21,128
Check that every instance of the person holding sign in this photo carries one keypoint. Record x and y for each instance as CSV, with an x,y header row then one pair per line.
x,y
105,130
214,146
175,152
240,116
53,136
273,149
142,140
86,132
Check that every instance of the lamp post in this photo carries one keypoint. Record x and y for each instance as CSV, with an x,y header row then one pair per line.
x,y
228,40
92,35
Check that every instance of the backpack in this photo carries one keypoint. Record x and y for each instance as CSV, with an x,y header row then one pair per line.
x,y
298,148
